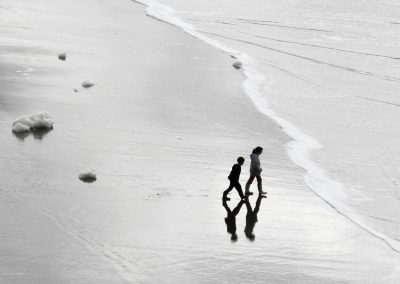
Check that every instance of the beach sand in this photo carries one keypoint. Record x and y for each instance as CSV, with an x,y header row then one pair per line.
x,y
162,126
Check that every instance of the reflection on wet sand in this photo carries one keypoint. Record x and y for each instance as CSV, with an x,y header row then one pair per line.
x,y
230,219
251,217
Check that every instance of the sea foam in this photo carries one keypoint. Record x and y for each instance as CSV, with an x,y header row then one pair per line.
x,y
37,120
87,84
88,175
62,56
237,64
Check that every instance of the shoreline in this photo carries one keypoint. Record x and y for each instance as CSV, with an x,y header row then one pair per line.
x,y
162,126
300,148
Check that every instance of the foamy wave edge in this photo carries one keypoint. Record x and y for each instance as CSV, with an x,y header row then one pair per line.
x,y
299,149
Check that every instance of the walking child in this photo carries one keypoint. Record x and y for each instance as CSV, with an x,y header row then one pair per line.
x,y
234,179
255,171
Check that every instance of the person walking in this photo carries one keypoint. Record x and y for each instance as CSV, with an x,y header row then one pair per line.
x,y
255,171
234,179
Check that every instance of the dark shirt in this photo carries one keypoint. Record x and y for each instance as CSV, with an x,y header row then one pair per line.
x,y
235,173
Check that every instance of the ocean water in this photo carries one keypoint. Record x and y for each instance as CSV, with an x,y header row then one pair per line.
x,y
329,74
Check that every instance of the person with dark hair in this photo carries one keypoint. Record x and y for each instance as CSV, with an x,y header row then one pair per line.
x,y
234,179
230,219
255,171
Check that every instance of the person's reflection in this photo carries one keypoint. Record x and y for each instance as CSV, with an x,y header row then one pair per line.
x,y
251,217
230,219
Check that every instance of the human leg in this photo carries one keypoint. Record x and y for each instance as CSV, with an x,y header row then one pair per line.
x,y
225,195
259,185
239,189
248,183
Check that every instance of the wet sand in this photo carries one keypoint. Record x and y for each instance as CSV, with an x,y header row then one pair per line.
x,y
162,127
